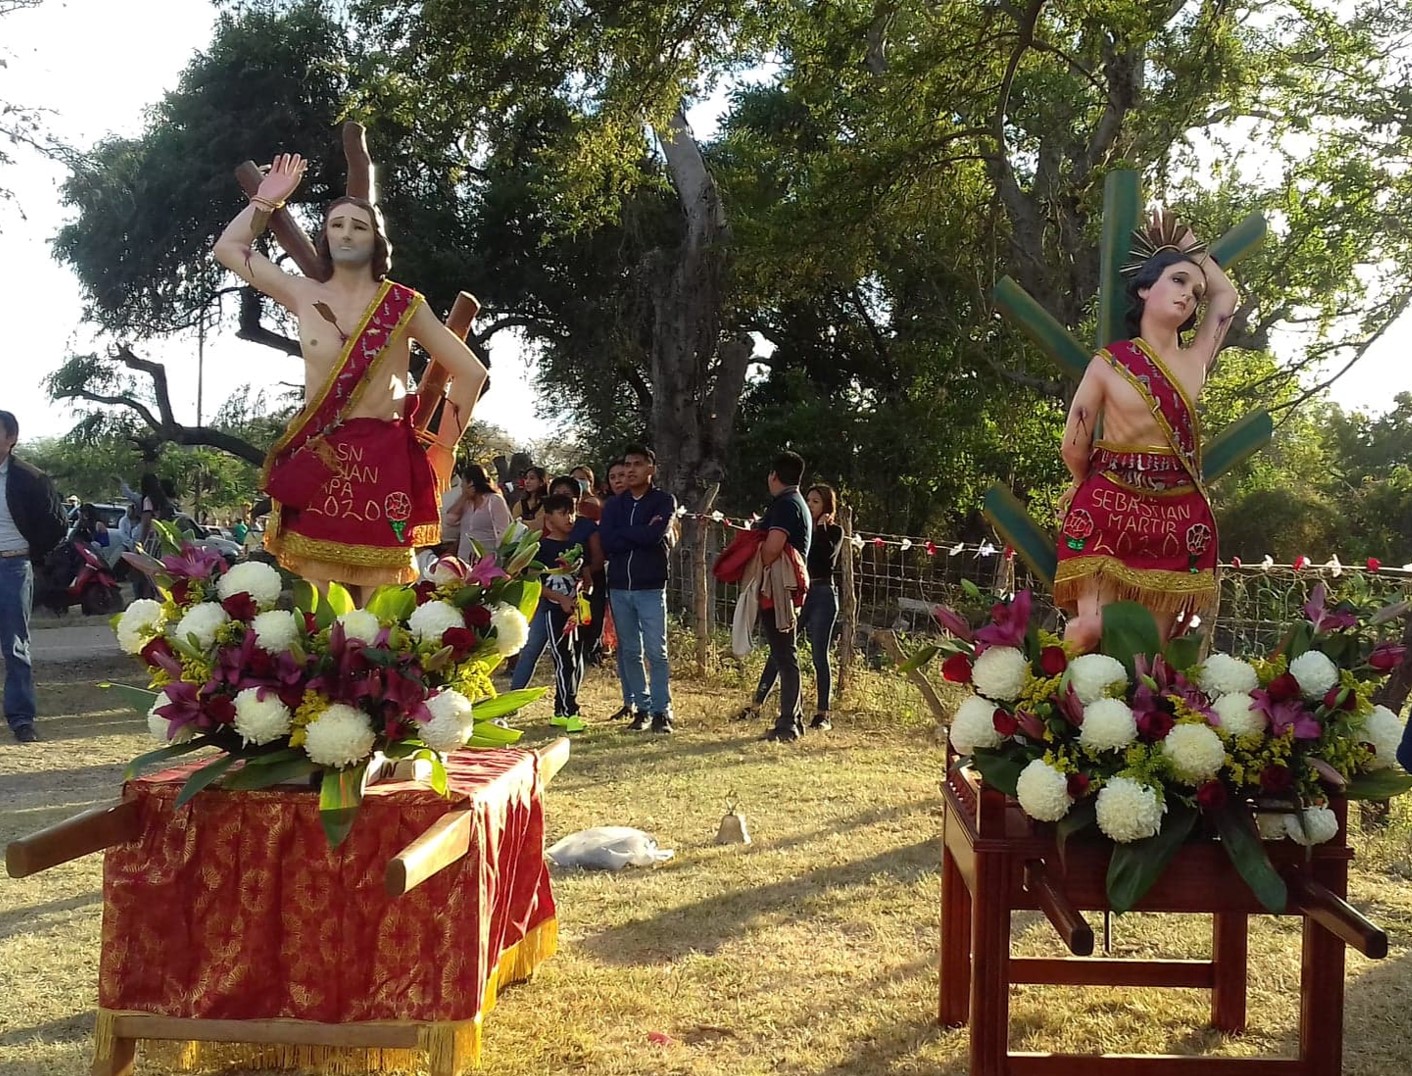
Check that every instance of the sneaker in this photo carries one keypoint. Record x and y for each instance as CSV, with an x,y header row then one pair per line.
x,y
568,722
821,722
641,722
662,723
26,734
785,731
750,712
624,711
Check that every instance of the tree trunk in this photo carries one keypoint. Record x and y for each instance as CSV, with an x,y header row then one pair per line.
x,y
697,377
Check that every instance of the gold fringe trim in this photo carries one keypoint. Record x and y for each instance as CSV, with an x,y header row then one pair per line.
x,y
442,1045
1164,592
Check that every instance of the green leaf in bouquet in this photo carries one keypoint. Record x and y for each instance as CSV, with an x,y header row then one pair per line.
x,y
1129,629
508,703
1242,842
270,770
206,775
467,596
270,757
140,699
1136,865
529,599
523,558
971,589
489,734
1185,650
1001,770
919,659
171,750
439,660
339,799
1379,785
1081,816
380,656
439,783
306,596
392,603
189,647
1298,641
339,600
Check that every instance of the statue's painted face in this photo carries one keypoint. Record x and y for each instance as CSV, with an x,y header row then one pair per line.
x,y
1176,294
350,236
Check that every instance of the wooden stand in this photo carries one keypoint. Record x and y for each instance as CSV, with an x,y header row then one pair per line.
x,y
996,861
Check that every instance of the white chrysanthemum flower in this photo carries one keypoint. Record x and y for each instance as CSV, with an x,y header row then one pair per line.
x,y
1315,673
252,577
140,621
1128,810
1091,675
1043,792
340,736
1108,724
1237,715
202,621
451,724
258,720
275,631
1382,731
1320,825
1273,827
1222,674
1001,673
1195,752
973,725
430,621
159,726
511,629
361,625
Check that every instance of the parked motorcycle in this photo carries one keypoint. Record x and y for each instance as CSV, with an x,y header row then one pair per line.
x,y
76,574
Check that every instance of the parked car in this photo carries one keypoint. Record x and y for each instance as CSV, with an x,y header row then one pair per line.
x,y
111,514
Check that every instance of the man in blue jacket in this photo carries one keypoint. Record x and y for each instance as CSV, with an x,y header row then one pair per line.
x,y
635,531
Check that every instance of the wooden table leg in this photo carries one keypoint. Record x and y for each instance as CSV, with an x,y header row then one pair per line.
x,y
118,1061
1321,987
955,943
1230,954
990,967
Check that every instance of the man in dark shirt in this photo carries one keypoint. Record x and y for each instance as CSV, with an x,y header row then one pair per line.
x,y
787,523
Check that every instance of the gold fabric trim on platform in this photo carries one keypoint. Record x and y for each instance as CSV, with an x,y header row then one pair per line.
x,y
439,1043
1160,590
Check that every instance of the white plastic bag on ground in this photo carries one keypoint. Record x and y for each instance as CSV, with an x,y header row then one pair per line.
x,y
608,848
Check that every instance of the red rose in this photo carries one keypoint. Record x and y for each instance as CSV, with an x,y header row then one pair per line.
x,y
957,669
1211,795
1283,688
461,641
477,616
181,591
1386,656
1078,785
1276,780
1331,699
1053,660
1004,722
424,591
241,607
220,709
311,623
1154,725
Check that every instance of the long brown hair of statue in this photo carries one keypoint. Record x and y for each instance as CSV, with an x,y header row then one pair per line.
x,y
381,264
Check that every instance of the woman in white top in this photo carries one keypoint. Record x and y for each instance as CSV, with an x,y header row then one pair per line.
x,y
480,513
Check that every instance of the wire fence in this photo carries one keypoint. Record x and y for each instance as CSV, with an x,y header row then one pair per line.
x,y
897,580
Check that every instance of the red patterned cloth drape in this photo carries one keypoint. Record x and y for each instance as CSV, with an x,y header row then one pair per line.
x,y
234,906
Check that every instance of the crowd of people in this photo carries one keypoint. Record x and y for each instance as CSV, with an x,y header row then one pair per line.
x,y
607,547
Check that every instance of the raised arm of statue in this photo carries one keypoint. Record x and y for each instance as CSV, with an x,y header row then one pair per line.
x,y
235,249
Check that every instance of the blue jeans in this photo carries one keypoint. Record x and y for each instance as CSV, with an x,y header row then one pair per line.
x,y
816,621
641,619
16,598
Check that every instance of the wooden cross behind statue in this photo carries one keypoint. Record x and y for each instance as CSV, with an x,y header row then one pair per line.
x,y
430,420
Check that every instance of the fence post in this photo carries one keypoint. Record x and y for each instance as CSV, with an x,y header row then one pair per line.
x,y
700,584
848,604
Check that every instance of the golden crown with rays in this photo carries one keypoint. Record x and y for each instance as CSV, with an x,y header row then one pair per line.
x,y
1163,231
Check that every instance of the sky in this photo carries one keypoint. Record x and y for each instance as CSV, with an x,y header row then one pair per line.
x,y
96,90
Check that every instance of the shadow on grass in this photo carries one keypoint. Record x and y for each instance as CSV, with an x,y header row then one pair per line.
x,y
75,1028
19,921
707,924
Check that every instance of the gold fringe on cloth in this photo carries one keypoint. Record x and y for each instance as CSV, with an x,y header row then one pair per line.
x,y
441,1045
1166,593
355,565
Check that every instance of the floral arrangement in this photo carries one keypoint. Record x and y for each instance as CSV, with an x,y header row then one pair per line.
x,y
1142,741
314,688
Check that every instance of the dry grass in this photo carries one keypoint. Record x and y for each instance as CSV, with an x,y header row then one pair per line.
x,y
813,951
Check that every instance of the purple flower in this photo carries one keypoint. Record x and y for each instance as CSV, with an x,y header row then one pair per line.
x,y
184,707
485,571
1010,622
953,622
193,562
1157,680
1287,713
1324,619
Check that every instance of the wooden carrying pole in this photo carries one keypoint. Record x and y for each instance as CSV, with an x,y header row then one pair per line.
x,y
92,831
449,838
